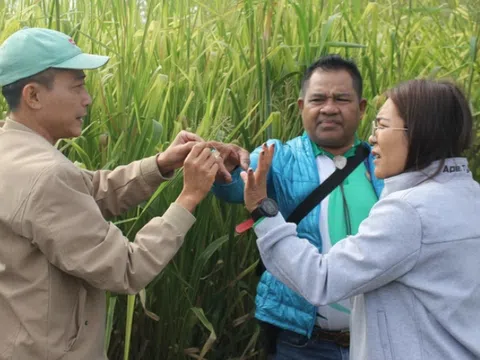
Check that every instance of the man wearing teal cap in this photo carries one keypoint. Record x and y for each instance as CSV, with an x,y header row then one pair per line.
x,y
58,254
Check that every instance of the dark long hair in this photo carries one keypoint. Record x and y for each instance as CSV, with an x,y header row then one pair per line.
x,y
438,121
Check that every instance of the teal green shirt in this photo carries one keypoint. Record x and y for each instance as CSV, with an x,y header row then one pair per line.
x,y
354,205
340,216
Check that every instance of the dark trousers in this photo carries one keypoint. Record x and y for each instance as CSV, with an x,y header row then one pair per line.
x,y
282,344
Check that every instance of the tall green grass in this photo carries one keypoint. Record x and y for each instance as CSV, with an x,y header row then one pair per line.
x,y
230,71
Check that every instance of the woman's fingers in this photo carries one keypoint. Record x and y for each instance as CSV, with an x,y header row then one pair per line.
x,y
264,162
248,178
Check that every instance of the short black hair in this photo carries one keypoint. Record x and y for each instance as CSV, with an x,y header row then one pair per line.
x,y
334,62
13,92
438,120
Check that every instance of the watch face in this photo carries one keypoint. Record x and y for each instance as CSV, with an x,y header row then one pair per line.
x,y
270,207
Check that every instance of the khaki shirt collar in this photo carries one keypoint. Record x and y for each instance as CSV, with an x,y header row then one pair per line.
x,y
10,124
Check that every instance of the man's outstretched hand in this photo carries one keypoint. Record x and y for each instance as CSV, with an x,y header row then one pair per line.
x,y
174,156
232,156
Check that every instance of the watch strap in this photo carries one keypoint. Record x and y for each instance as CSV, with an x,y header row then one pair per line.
x,y
257,214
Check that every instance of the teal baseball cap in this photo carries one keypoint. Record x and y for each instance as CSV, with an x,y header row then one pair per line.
x,y
32,50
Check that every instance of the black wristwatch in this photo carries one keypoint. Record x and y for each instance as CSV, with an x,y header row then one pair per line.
x,y
267,207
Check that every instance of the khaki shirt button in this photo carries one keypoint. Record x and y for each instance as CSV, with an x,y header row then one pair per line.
x,y
86,322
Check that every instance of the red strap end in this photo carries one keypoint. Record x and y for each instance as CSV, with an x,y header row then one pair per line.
x,y
244,226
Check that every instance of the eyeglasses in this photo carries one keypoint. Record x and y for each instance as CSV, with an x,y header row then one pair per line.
x,y
376,127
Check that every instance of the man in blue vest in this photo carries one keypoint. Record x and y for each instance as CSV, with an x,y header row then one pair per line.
x,y
332,107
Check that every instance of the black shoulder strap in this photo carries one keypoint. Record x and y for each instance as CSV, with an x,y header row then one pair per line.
x,y
326,187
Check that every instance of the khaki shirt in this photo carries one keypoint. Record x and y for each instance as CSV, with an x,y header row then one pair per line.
x,y
58,254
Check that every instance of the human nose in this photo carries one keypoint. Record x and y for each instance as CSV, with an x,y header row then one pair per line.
x,y
329,107
87,99
372,139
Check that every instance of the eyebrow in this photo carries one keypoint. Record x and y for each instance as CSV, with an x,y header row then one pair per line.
x,y
334,94
382,118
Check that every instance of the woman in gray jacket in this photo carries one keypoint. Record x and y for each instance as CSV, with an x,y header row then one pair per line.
x,y
412,270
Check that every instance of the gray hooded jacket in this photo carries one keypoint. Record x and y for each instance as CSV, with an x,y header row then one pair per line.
x,y
412,271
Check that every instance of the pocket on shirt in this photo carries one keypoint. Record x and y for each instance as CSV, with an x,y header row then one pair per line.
x,y
77,321
384,335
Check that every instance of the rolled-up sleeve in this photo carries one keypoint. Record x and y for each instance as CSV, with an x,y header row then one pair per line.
x,y
64,221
